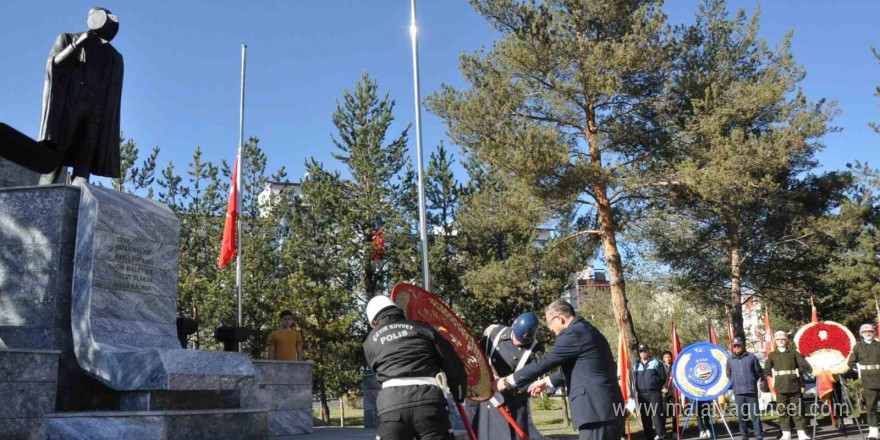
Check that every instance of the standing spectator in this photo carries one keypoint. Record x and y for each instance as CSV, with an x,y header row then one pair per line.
x,y
649,381
744,372
703,412
286,344
668,389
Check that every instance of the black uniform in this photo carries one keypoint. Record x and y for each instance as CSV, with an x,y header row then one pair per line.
x,y
649,378
487,422
868,356
399,349
786,368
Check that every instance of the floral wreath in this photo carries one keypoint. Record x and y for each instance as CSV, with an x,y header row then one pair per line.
x,y
825,345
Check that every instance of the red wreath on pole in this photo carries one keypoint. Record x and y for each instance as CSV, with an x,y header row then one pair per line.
x,y
378,246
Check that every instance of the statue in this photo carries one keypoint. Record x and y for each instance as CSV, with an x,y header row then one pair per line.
x,y
82,95
82,98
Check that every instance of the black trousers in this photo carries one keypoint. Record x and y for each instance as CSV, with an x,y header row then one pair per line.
x,y
427,422
651,409
610,430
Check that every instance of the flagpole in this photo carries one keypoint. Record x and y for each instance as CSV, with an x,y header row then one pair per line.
x,y
238,237
423,232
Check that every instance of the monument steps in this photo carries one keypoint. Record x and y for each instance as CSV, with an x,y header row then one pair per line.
x,y
220,424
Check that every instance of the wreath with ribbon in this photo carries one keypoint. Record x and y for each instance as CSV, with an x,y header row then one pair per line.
x,y
826,345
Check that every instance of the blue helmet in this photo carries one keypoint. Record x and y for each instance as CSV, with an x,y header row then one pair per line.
x,y
525,327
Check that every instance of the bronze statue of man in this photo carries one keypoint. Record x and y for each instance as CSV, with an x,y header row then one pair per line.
x,y
81,100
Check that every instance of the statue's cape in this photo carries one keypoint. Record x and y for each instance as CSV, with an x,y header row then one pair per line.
x,y
76,94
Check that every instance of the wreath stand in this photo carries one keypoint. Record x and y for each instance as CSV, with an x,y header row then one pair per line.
x,y
717,407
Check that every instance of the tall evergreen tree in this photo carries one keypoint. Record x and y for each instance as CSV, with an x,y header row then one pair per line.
x,y
442,193
374,196
742,196
566,100
315,254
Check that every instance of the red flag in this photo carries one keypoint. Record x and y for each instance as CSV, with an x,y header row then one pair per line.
x,y
623,369
815,313
877,307
227,249
768,334
675,345
713,338
623,363
768,346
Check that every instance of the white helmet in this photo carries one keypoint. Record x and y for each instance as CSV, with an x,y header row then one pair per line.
x,y
376,305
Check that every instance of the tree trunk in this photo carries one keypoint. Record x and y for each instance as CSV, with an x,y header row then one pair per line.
x,y
607,230
322,390
736,316
369,274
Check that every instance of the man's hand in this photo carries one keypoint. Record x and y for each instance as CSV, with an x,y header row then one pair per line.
x,y
537,387
501,385
665,390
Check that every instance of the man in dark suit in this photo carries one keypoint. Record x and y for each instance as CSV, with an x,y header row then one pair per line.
x,y
587,368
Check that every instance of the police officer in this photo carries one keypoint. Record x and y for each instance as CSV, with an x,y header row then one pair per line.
x,y
415,364
866,355
508,349
649,380
786,366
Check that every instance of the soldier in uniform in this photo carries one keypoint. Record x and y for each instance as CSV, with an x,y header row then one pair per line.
x,y
866,354
786,366
508,349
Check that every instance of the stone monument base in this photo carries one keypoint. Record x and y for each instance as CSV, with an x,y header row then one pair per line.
x,y
27,388
284,390
222,424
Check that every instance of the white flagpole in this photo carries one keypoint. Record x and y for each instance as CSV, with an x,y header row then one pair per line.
x,y
423,231
238,238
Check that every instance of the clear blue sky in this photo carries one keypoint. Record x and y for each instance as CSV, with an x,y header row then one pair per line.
x,y
182,66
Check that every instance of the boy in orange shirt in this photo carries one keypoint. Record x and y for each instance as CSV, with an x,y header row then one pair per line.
x,y
286,344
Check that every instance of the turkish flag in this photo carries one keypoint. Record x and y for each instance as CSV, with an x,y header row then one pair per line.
x,y
227,249
768,346
623,367
675,345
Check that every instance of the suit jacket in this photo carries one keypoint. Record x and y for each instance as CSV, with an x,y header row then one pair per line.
x,y
588,369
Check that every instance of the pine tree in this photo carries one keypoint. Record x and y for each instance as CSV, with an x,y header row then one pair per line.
x,y
445,260
374,197
315,254
566,100
132,179
738,210
508,270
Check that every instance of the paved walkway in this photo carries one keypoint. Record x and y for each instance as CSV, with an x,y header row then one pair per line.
x,y
336,433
